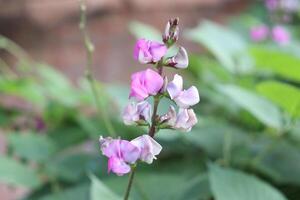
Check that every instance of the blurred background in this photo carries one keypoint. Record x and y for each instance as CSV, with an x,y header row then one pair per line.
x,y
244,58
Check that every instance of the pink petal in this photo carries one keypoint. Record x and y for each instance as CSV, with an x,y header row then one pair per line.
x,y
175,87
157,51
129,152
153,81
188,97
118,166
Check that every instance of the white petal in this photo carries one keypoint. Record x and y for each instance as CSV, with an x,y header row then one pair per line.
x,y
188,98
174,88
181,59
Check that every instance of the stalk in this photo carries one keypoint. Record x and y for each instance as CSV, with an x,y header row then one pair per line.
x,y
89,47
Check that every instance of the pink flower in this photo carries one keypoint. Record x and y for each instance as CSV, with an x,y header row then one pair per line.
x,y
183,98
120,153
180,60
272,4
259,33
145,83
184,120
149,148
135,112
146,51
280,35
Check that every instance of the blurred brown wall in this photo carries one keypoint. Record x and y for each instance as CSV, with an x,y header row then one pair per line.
x,y
48,29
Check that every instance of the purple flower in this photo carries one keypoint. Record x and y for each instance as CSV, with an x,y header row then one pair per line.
x,y
184,120
180,60
149,148
120,153
272,4
259,33
280,35
146,51
183,98
135,112
145,83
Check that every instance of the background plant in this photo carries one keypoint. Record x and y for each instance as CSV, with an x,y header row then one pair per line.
x,y
247,135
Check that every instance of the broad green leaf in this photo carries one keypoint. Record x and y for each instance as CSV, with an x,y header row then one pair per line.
x,y
31,146
282,163
196,189
226,45
79,192
72,167
280,63
284,95
209,135
230,184
56,86
140,30
259,107
24,88
17,174
145,185
99,191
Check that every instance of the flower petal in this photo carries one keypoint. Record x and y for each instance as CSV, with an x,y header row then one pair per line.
x,y
181,59
174,88
129,152
153,81
148,146
157,50
188,98
118,166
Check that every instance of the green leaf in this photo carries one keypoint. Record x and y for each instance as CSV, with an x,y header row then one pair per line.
x,y
226,45
57,86
280,63
99,191
140,30
31,146
17,174
230,184
24,88
79,192
259,107
284,95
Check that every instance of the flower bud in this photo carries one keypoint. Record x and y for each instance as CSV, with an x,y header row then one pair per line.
x,y
180,60
171,33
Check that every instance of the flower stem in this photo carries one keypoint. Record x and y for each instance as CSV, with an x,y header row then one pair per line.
x,y
131,177
89,54
152,129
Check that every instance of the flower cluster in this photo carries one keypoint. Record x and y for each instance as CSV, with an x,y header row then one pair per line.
x,y
282,10
153,84
278,33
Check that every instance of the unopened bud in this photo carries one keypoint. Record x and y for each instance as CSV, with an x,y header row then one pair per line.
x,y
171,33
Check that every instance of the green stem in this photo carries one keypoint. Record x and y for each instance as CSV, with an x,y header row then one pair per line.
x,y
89,53
152,129
131,177
227,148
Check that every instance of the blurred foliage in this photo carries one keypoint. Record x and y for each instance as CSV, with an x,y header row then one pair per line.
x,y
245,146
